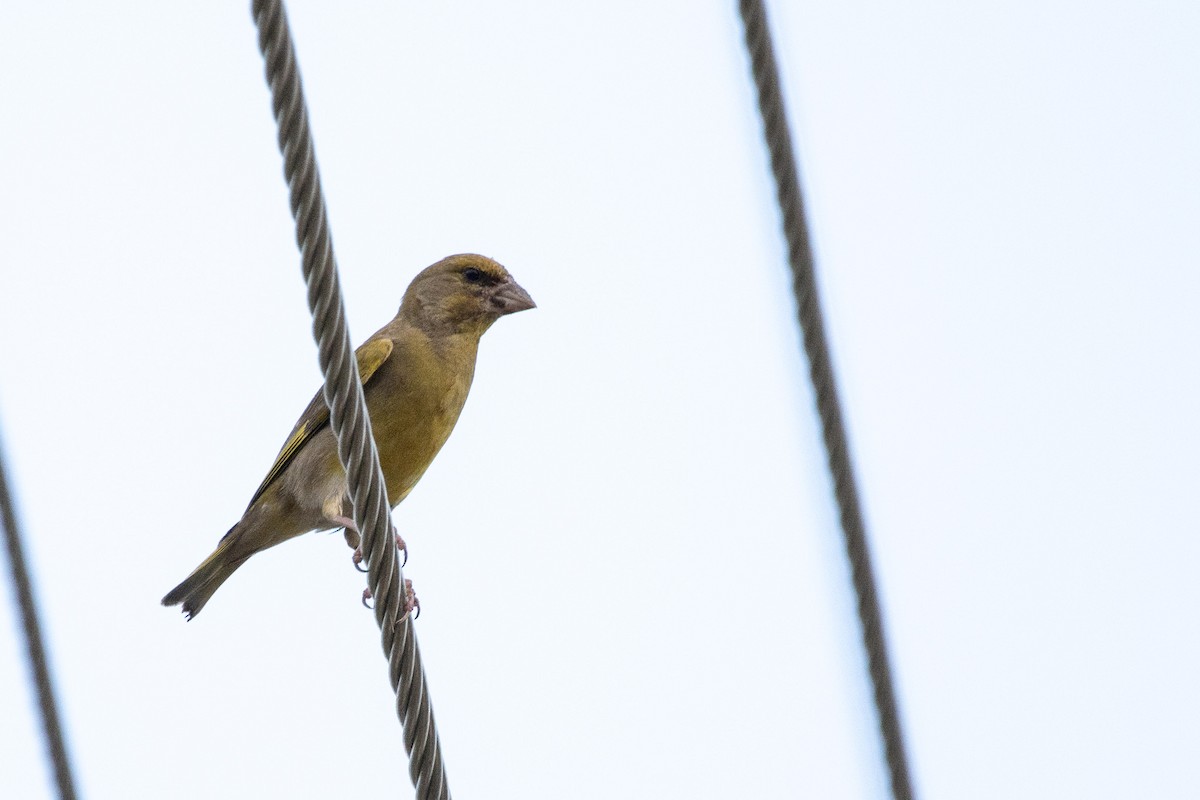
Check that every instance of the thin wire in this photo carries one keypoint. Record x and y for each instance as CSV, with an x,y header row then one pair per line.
x,y
347,409
35,649
808,307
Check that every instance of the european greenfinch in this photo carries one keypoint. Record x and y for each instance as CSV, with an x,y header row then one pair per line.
x,y
416,372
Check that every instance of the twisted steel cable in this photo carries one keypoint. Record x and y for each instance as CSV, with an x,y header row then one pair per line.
x,y
808,307
347,409
35,648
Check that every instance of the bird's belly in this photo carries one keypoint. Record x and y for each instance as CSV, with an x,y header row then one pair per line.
x,y
308,492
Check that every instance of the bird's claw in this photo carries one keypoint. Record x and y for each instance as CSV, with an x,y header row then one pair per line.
x,y
357,558
411,604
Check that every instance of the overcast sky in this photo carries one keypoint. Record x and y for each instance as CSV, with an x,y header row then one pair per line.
x,y
627,555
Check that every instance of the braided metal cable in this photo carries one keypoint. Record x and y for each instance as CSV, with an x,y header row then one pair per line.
x,y
808,307
35,648
347,408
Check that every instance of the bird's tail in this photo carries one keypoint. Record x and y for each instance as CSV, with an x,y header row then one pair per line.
x,y
198,587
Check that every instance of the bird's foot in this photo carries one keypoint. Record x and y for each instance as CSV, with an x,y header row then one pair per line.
x,y
357,558
411,603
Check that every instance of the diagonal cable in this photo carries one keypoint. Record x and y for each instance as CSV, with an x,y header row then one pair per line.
x,y
347,409
804,284
35,648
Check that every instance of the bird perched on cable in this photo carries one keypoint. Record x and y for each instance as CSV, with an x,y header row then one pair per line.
x,y
416,372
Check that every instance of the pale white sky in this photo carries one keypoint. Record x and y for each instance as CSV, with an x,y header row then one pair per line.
x,y
627,554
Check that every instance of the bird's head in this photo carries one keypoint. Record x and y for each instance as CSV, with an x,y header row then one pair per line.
x,y
465,293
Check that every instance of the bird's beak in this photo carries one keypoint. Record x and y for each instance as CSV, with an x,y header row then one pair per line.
x,y
510,298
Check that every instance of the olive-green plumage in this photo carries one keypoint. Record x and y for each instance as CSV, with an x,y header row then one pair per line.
x,y
416,372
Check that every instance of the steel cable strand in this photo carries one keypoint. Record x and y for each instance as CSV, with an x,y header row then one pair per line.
x,y
343,394
35,647
783,165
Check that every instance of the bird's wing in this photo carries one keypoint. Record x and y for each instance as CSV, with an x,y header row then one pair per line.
x,y
370,357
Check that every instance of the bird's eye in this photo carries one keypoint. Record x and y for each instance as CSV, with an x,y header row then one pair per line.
x,y
472,275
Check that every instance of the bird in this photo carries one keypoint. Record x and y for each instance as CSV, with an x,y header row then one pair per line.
x,y
416,372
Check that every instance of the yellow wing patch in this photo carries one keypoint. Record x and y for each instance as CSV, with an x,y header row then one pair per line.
x,y
370,356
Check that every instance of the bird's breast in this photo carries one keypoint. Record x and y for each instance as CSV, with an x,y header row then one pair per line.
x,y
412,417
